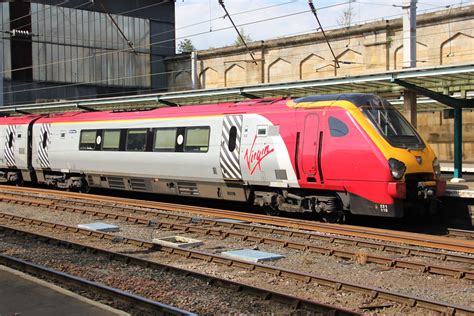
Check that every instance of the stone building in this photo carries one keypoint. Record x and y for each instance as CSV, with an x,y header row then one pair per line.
x,y
443,38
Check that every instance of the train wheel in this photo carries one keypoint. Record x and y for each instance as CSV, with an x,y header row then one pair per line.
x,y
85,189
271,211
333,217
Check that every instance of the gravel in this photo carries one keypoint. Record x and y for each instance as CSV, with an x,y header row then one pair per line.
x,y
188,293
410,282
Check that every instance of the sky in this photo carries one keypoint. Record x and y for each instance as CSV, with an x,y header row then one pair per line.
x,y
202,21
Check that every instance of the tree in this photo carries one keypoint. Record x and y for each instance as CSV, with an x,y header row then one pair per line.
x,y
345,19
238,41
186,46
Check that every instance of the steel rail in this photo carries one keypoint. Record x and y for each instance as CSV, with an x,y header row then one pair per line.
x,y
454,232
150,305
294,301
409,300
424,240
403,250
344,254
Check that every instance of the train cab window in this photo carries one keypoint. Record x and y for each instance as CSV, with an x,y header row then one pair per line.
x,y
111,140
337,128
232,138
87,141
136,140
165,139
197,139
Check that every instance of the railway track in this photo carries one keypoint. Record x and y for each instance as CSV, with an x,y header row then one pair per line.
x,y
295,303
143,304
124,215
257,268
461,233
405,238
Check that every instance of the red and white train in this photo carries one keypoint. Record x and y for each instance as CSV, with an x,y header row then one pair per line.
x,y
328,154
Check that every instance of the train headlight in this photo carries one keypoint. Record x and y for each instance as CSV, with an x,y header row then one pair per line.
x,y
397,168
436,167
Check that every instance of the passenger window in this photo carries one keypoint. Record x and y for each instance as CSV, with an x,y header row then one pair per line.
x,y
232,138
165,139
337,128
197,139
87,141
136,140
111,140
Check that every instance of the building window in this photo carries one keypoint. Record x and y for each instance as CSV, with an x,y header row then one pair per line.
x,y
136,140
111,140
197,139
87,141
165,139
337,128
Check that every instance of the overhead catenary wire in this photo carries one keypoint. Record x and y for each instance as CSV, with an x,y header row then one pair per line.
x,y
169,31
115,52
154,43
27,15
244,42
254,10
89,3
168,40
247,11
163,41
130,44
128,77
313,10
119,78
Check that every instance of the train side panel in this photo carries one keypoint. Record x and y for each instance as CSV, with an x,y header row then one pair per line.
x,y
265,158
62,152
15,163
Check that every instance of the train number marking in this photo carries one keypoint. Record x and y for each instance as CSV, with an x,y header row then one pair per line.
x,y
254,157
384,208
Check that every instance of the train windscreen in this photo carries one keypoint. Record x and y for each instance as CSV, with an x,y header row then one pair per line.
x,y
391,124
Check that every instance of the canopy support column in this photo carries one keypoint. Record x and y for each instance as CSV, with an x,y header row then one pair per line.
x,y
458,105
457,145
409,101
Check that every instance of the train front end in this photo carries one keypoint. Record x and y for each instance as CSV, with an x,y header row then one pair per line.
x,y
414,182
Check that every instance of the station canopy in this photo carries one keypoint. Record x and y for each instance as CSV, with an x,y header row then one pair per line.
x,y
450,80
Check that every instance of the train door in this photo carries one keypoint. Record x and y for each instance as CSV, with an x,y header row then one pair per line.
x,y
230,147
309,157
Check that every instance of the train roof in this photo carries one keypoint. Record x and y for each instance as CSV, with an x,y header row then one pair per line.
x,y
257,105
17,120
201,110
358,99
